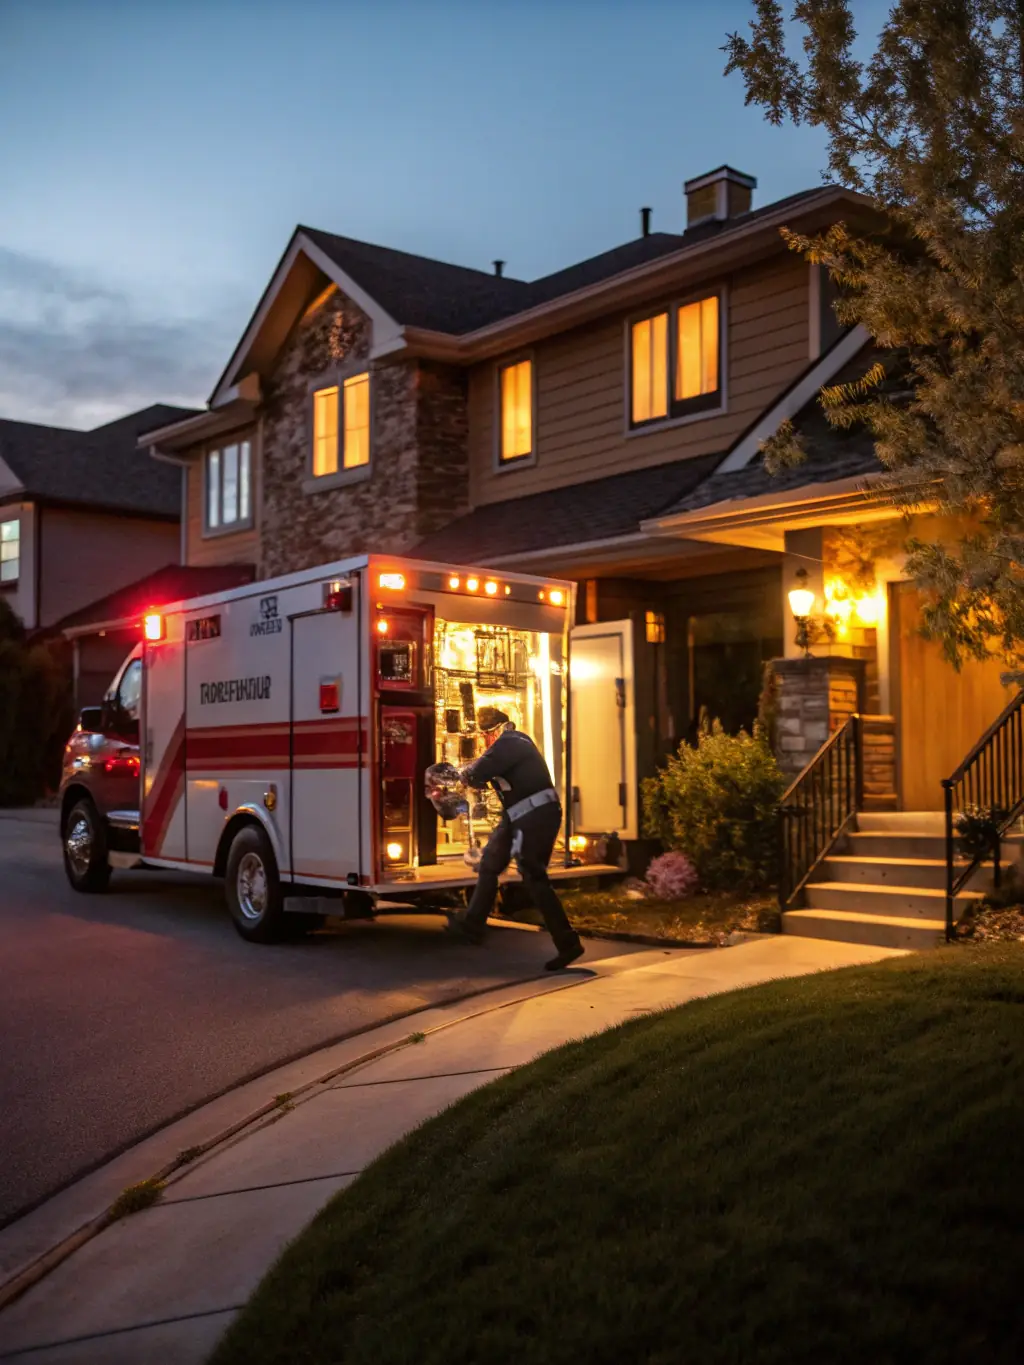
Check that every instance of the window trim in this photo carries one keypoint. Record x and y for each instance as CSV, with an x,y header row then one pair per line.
x,y
336,377
526,461
675,416
6,583
232,439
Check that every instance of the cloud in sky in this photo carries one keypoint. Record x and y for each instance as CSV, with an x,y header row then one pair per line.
x,y
76,352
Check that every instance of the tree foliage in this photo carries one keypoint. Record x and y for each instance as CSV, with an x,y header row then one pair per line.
x,y
930,128
35,713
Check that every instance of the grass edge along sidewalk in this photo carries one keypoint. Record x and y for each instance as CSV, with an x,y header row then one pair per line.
x,y
817,1169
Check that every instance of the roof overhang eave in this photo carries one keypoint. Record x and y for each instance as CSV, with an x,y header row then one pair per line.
x,y
810,503
168,443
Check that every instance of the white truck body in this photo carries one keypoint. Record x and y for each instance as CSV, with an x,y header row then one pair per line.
x,y
311,703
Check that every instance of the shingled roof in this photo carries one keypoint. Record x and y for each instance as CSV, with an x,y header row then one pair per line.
x,y
420,292
586,512
97,468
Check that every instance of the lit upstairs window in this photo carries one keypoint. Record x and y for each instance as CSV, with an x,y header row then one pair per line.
x,y
697,349
325,431
357,421
675,363
10,551
650,369
516,398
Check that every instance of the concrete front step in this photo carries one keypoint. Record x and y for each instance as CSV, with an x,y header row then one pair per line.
x,y
885,844
882,931
905,902
926,872
902,822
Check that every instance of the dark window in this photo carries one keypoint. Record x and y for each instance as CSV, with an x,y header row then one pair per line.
x,y
129,693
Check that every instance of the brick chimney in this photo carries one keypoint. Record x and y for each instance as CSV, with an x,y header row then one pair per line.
x,y
717,196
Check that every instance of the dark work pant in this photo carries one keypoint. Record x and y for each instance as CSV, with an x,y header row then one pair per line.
x,y
537,832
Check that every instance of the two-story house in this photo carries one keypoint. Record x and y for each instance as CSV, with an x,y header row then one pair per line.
x,y
602,423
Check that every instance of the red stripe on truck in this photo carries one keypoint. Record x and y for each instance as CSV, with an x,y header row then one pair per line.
x,y
330,743
165,793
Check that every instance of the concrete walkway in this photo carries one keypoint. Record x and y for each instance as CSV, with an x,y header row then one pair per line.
x,y
163,1284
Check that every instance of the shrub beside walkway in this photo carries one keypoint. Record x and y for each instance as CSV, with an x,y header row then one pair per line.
x,y
164,1283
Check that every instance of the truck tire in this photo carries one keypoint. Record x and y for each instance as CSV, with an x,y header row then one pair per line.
x,y
253,888
84,843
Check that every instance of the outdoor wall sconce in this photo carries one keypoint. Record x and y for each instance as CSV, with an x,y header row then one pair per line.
x,y
801,604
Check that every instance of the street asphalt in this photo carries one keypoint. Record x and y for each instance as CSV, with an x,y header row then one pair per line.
x,y
122,1011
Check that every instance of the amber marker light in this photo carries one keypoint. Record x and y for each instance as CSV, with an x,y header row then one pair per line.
x,y
394,851
153,626
556,597
454,582
490,587
508,591
394,581
382,626
472,584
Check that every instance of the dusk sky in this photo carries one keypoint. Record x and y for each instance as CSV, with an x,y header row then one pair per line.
x,y
156,155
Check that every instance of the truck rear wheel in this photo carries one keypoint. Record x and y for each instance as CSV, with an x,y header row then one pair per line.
x,y
84,843
253,888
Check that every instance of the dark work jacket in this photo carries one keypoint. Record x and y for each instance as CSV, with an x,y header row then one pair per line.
x,y
513,766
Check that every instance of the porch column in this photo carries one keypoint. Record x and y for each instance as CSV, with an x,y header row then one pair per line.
x,y
811,698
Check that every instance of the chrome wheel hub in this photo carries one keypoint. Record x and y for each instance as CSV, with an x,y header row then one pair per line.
x,y
78,843
251,884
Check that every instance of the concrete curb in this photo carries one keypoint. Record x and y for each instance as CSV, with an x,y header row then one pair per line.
x,y
16,1285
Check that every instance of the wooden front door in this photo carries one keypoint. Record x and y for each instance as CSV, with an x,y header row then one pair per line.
x,y
941,714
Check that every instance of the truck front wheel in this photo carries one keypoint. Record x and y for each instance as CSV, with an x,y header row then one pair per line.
x,y
85,848
253,887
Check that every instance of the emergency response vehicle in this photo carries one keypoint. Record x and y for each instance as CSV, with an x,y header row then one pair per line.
x,y
277,734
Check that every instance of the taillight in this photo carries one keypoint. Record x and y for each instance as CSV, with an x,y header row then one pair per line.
x,y
123,765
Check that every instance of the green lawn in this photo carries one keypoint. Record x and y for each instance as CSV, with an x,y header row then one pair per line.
x,y
824,1170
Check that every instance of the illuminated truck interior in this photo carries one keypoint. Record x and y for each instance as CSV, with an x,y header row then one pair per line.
x,y
432,676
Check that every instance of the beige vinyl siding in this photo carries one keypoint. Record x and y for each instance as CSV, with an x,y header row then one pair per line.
x,y
225,547
582,392
87,555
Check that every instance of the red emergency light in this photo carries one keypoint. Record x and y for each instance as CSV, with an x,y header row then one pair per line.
x,y
153,625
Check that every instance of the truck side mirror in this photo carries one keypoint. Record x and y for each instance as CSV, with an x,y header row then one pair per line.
x,y
91,719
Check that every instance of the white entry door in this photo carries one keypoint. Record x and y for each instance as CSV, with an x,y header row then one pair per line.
x,y
603,729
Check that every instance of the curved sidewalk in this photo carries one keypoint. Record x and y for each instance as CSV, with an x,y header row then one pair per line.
x,y
163,1284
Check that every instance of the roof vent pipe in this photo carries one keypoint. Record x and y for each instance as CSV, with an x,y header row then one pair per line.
x,y
645,222
499,266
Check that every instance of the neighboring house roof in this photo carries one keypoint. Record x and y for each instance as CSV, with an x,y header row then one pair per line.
x,y
582,514
173,583
832,454
420,292
97,468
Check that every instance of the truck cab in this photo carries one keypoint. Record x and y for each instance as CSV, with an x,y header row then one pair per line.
x,y
99,789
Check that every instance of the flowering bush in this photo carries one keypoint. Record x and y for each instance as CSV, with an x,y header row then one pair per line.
x,y
717,803
672,877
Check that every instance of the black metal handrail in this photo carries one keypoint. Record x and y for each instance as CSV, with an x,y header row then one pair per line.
x,y
991,780
819,807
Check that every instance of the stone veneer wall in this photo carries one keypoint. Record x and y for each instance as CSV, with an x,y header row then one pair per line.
x,y
813,698
442,441
418,476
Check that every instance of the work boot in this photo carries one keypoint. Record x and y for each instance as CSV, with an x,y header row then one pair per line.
x,y
568,954
458,929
